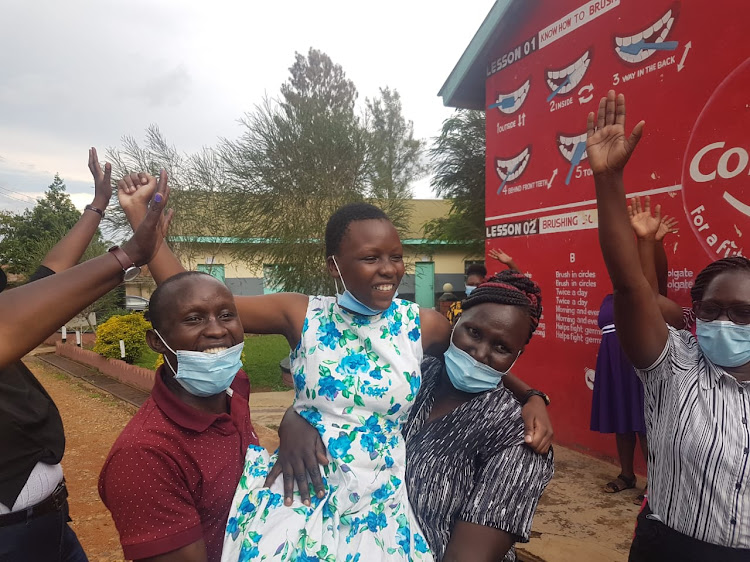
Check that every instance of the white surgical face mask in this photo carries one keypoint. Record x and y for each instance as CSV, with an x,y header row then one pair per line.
x,y
205,374
348,301
468,374
725,343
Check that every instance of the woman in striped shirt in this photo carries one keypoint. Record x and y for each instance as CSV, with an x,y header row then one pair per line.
x,y
696,390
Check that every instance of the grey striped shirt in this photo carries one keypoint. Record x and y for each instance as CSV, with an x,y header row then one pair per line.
x,y
471,465
698,438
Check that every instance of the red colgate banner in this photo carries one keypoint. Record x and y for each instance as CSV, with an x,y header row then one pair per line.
x,y
684,69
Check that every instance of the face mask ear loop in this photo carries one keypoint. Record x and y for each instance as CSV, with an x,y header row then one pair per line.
x,y
166,359
340,276
514,362
454,329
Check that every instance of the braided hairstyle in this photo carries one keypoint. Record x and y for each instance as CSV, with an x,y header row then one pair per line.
x,y
713,270
509,287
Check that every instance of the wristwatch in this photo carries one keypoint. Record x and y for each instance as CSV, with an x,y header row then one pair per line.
x,y
129,270
534,392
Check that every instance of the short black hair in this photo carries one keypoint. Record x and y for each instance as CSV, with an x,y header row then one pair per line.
x,y
713,270
509,287
343,217
476,269
154,314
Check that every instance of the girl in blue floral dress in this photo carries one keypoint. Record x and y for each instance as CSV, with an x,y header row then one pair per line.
x,y
356,374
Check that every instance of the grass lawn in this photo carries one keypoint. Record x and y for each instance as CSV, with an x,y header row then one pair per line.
x,y
262,356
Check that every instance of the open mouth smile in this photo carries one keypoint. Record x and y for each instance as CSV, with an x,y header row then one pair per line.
x,y
510,169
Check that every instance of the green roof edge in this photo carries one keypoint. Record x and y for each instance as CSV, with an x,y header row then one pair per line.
x,y
473,51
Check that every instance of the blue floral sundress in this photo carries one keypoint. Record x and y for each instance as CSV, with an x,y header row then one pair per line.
x,y
355,379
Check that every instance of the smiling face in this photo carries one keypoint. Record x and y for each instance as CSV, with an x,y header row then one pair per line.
x,y
197,313
370,260
493,334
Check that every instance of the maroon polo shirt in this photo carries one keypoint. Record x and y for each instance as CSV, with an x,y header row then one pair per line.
x,y
170,477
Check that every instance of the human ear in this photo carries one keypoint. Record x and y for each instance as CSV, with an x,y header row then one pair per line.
x,y
155,343
332,269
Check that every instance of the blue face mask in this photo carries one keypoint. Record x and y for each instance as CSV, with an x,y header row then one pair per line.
x,y
349,301
469,289
724,343
468,374
205,374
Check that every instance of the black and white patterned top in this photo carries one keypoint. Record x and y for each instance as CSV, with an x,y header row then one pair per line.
x,y
698,440
471,465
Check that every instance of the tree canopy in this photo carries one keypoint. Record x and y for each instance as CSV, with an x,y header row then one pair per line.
x,y
458,159
29,236
300,156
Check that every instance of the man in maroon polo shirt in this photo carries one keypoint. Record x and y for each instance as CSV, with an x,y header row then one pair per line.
x,y
171,475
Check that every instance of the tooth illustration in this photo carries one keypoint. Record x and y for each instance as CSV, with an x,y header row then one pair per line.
x,y
512,102
638,47
510,169
567,145
565,80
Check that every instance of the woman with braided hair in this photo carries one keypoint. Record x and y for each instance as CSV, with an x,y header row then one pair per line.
x,y
696,388
472,481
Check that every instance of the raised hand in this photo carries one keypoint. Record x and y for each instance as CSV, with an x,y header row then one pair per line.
x,y
149,235
102,180
501,256
668,226
607,146
134,192
645,225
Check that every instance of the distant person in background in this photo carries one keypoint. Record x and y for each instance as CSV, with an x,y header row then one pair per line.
x,y
476,274
617,402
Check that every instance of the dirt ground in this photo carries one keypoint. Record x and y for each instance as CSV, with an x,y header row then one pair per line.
x,y
575,521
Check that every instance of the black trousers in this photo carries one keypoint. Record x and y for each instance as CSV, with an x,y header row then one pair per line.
x,y
655,542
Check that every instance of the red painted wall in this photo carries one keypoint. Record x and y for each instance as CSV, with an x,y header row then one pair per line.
x,y
684,68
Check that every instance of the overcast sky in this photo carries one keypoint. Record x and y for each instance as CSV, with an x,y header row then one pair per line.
x,y
80,73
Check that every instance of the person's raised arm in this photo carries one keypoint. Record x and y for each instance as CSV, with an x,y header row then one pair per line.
x,y
68,251
504,259
640,326
134,191
33,311
668,225
280,313
650,233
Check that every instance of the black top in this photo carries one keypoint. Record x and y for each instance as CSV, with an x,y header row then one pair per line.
x,y
471,464
31,429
